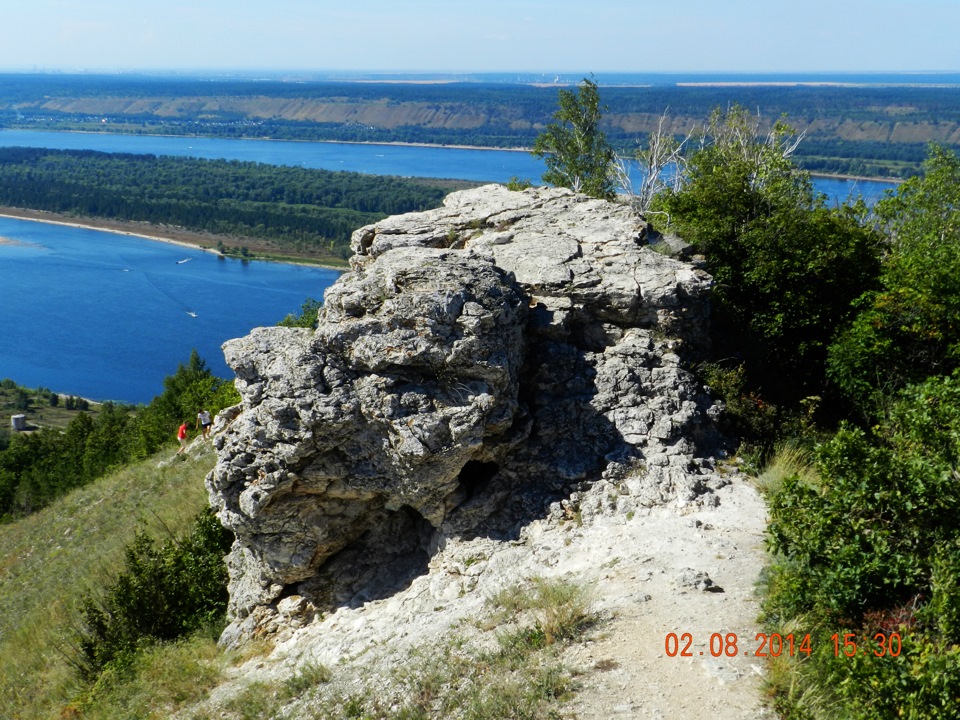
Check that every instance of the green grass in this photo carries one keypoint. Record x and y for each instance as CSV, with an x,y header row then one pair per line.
x,y
162,679
50,560
558,609
787,460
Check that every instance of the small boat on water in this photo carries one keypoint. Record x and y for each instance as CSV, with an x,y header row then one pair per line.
x,y
181,262
191,313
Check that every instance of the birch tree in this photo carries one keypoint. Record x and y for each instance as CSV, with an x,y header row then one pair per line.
x,y
575,150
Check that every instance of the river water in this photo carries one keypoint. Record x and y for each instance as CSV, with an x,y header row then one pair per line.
x,y
402,160
108,316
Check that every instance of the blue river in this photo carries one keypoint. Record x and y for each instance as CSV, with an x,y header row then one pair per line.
x,y
107,316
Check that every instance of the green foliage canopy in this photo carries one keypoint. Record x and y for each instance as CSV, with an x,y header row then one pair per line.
x,y
306,318
786,267
308,211
164,592
190,389
40,466
909,328
875,547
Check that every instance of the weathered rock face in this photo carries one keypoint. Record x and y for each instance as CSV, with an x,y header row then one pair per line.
x,y
478,365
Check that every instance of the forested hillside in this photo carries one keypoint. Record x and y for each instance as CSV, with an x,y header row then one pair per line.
x,y
880,130
837,350
293,211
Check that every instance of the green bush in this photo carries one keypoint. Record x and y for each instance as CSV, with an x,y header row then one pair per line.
x,y
866,538
942,612
908,329
164,592
307,318
746,415
786,267
874,546
921,683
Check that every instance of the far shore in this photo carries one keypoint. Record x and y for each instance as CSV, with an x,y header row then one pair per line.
x,y
159,233
399,143
865,178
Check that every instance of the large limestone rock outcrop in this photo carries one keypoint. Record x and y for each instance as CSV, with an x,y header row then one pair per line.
x,y
479,365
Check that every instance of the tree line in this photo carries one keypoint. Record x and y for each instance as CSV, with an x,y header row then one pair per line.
x,y
38,467
311,211
481,114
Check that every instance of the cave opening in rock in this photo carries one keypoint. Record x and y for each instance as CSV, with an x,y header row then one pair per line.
x,y
381,562
475,477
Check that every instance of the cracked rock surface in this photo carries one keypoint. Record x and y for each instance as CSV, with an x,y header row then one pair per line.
x,y
508,358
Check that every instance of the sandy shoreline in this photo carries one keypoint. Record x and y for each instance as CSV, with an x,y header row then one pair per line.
x,y
865,178
91,224
388,143
158,233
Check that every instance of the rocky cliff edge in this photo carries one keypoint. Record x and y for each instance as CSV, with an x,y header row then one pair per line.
x,y
510,358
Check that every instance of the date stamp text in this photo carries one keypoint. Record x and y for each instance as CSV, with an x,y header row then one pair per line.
x,y
775,645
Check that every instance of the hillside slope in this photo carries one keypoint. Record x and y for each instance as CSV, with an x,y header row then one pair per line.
x,y
54,557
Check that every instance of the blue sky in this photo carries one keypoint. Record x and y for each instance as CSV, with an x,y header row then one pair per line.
x,y
496,35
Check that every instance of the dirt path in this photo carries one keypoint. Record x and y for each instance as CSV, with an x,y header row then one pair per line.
x,y
653,590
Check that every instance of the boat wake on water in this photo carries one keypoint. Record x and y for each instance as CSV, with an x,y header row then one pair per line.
x,y
170,296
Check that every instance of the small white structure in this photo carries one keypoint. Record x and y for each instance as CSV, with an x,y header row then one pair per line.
x,y
19,422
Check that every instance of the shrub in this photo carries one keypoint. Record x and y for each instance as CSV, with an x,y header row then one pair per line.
x,y
785,266
875,547
942,612
909,328
517,185
307,318
746,414
165,592
921,683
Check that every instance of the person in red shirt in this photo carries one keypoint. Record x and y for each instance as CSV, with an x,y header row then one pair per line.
x,y
182,437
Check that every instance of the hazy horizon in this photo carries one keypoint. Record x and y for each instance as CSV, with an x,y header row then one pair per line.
x,y
944,78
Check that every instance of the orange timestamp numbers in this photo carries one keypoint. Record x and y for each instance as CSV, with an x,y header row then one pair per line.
x,y
776,645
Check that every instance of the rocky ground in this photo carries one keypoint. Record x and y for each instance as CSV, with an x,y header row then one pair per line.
x,y
684,568
660,558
